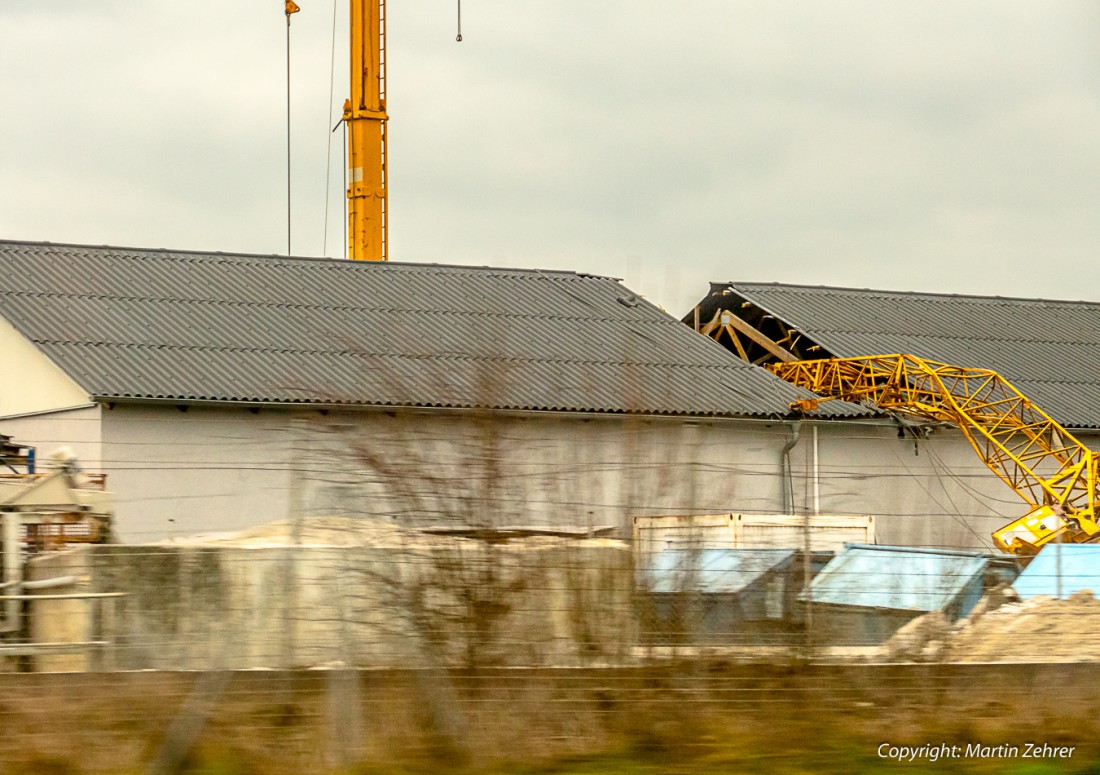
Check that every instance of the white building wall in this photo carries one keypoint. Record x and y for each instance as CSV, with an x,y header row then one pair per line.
x,y
41,406
178,472
32,382
934,492
77,428
540,469
209,469
225,469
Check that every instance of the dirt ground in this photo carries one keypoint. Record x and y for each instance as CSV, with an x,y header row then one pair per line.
x,y
691,717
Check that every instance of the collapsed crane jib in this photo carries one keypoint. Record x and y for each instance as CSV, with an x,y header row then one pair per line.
x,y
1034,455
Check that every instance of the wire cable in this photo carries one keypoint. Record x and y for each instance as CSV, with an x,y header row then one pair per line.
x,y
328,149
290,8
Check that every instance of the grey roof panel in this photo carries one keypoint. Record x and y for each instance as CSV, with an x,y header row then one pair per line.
x,y
157,324
1047,349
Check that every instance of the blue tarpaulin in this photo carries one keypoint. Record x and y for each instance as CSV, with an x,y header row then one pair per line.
x,y
1067,569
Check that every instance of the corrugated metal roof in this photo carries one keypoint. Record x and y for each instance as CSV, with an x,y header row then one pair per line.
x,y
1047,349
1069,568
711,571
158,324
898,578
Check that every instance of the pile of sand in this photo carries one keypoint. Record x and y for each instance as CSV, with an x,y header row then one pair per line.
x,y
920,640
356,531
1041,629
311,531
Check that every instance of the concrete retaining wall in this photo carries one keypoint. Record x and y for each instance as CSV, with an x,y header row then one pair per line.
x,y
444,602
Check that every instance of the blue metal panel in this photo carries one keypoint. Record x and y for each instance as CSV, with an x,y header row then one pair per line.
x,y
1069,568
900,578
713,571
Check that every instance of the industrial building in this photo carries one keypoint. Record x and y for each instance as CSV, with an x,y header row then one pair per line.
x,y
222,391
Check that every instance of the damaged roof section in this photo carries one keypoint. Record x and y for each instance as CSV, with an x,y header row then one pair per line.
x,y
900,578
134,324
754,334
1046,349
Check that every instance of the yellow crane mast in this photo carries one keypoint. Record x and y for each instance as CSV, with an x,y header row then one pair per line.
x,y
365,116
1038,458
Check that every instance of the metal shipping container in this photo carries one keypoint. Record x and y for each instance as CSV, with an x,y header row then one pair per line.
x,y
751,531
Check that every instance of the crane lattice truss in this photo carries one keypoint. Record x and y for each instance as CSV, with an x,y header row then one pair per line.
x,y
1032,453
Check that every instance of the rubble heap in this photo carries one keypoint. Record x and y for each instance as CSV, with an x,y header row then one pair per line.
x,y
1041,629
1000,629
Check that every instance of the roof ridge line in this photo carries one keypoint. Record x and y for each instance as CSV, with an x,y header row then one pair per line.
x,y
949,337
380,265
740,286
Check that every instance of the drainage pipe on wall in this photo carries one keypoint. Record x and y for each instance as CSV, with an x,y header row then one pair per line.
x,y
11,525
785,461
817,478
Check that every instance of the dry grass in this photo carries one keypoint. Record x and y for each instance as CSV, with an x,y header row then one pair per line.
x,y
690,718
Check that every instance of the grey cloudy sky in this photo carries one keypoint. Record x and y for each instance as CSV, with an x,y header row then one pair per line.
x,y
935,146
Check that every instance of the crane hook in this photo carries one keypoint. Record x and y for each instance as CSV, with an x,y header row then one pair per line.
x,y
458,38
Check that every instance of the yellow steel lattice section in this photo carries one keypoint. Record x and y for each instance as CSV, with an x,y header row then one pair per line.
x,y
1032,453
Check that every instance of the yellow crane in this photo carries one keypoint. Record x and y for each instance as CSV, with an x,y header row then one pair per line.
x,y
365,116
1039,459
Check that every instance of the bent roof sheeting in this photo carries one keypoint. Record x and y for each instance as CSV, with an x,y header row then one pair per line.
x,y
895,578
156,324
1047,349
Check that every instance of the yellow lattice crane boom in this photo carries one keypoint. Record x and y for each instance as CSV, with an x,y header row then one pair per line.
x,y
1038,458
365,115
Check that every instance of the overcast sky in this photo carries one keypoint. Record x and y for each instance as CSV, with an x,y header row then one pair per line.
x,y
931,146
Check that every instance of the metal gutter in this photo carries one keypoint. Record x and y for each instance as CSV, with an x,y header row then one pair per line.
x,y
565,413
60,410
